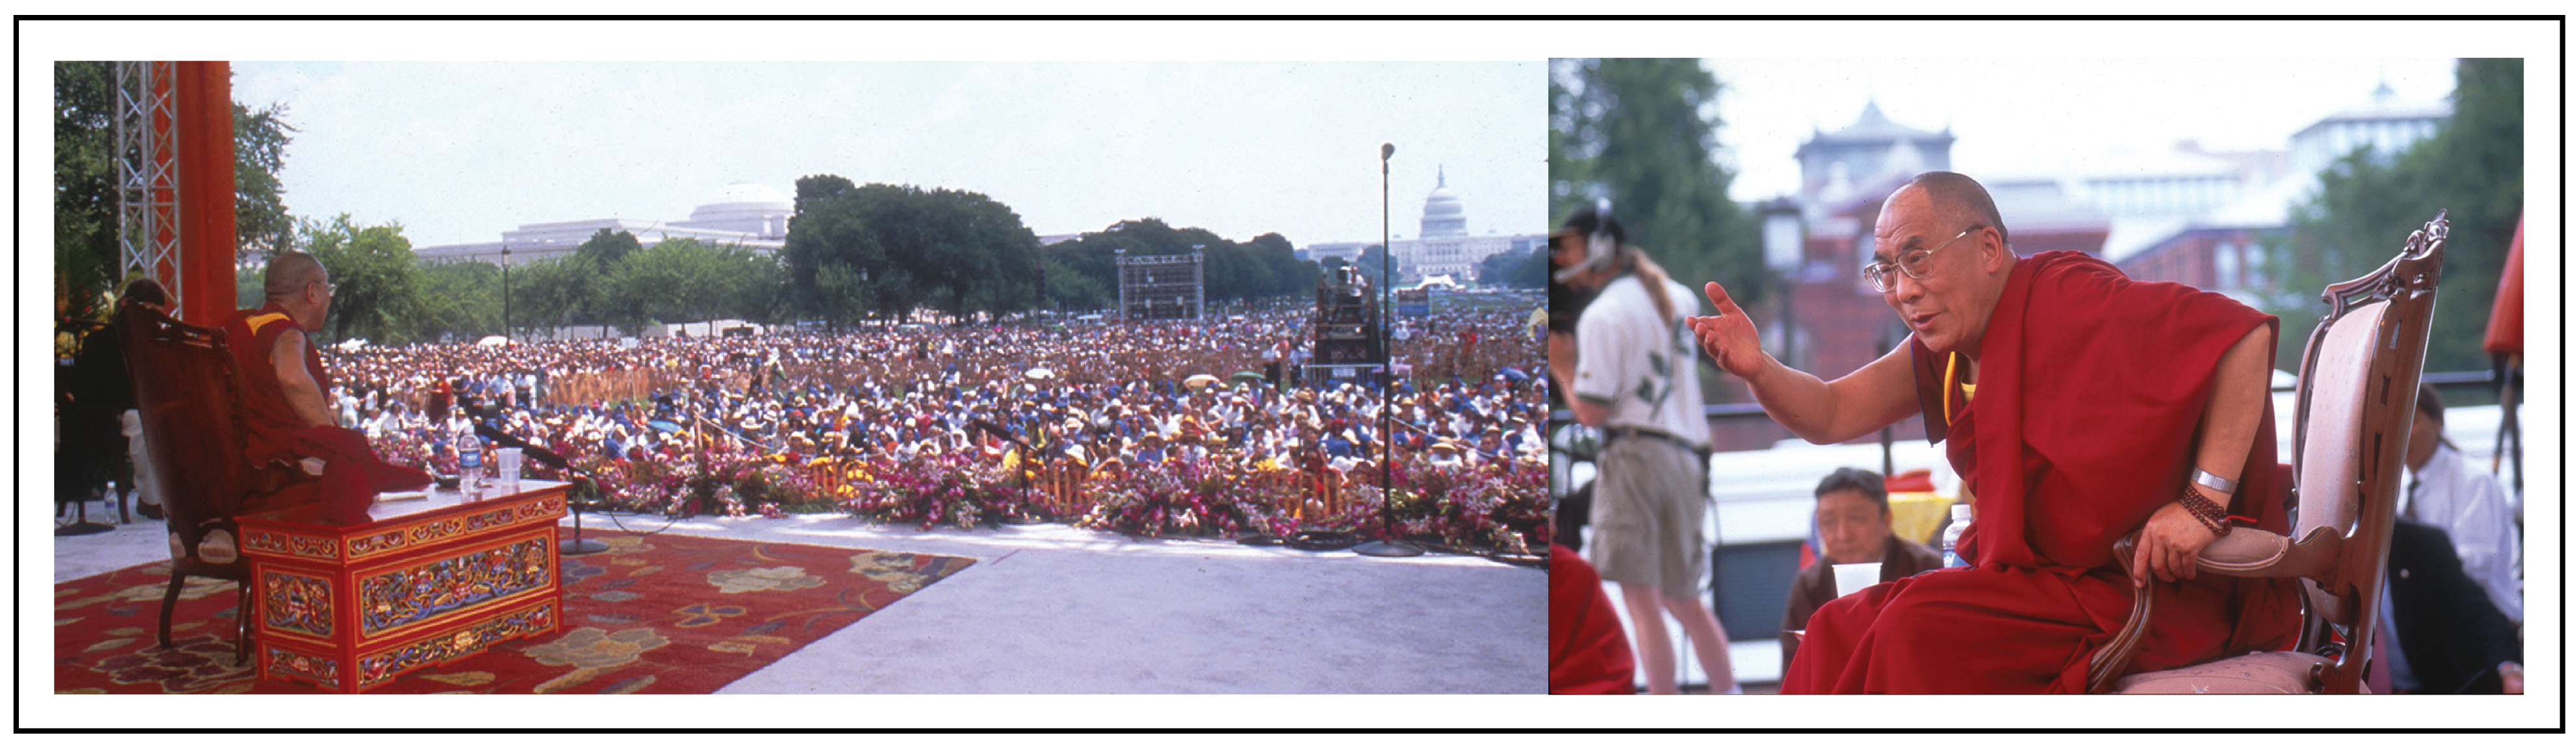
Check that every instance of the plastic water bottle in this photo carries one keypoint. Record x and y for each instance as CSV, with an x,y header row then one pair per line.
x,y
469,459
1950,537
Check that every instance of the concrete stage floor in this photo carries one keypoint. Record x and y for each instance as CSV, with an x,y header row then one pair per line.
x,y
1050,609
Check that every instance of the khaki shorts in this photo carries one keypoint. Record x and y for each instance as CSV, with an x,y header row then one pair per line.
x,y
1649,511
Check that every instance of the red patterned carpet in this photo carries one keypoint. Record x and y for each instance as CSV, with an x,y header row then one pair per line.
x,y
660,614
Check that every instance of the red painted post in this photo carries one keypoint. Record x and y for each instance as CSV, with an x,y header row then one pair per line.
x,y
204,104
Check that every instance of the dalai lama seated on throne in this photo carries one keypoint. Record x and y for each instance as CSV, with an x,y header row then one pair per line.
x,y
2079,406
329,473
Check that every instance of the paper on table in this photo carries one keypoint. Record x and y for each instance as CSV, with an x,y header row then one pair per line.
x,y
1850,578
412,495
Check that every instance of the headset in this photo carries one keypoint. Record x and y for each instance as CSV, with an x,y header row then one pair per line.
x,y
1601,242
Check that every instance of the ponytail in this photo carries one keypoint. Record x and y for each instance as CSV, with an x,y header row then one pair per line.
x,y
1652,276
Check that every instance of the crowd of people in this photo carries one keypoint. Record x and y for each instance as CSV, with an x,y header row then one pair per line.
x,y
1130,398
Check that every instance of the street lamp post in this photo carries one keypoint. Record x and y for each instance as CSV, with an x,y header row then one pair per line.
x,y
1391,546
1784,250
505,291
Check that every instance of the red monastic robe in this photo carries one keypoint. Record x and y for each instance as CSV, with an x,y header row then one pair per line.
x,y
269,422
352,473
1587,653
2089,397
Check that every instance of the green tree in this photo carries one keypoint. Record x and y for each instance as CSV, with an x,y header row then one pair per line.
x,y
1525,269
85,250
672,282
259,207
841,295
1372,263
2368,202
544,292
378,294
594,300
458,300
749,284
826,233
1642,133
1288,274
1072,289
608,248
1265,266
900,247
979,251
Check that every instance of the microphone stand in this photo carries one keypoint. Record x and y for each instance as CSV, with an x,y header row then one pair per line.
x,y
1018,473
575,546
1391,545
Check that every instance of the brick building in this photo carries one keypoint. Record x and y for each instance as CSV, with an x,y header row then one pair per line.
x,y
1829,322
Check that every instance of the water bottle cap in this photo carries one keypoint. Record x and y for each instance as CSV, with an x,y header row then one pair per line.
x,y
1959,512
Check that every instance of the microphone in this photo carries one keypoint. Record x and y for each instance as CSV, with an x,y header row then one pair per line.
x,y
980,423
532,450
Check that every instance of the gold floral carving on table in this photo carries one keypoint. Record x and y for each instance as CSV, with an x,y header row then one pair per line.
x,y
435,650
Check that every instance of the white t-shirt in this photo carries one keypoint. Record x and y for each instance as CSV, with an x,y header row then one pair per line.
x,y
1643,368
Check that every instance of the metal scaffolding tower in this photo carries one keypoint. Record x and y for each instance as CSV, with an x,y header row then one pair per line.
x,y
147,174
1162,287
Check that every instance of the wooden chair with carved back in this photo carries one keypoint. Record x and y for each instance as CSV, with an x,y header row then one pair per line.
x,y
184,381
2356,402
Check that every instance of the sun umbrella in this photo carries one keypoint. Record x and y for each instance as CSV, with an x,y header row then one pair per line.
x,y
1040,374
1202,380
2504,324
1514,374
664,425
1245,375
493,341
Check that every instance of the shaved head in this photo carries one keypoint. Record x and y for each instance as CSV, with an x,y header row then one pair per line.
x,y
1961,199
290,271
1943,219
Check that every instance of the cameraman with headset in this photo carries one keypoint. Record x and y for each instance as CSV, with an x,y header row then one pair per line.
x,y
1632,367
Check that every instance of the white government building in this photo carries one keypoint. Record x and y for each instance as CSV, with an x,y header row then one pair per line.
x,y
1443,247
755,217
751,216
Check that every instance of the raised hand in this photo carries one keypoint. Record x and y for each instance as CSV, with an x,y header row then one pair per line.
x,y
1729,337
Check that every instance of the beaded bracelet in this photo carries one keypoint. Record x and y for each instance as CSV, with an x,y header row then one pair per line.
x,y
2205,509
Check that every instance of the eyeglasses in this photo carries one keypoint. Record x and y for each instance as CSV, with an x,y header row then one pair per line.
x,y
328,288
1914,262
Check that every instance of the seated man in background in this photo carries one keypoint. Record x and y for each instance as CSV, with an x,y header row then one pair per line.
x,y
2443,635
284,415
2443,491
1853,518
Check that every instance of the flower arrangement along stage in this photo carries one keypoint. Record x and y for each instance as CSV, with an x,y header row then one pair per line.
x,y
1497,507
1188,499
931,491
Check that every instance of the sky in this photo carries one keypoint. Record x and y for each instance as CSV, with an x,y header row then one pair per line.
x,y
460,151
2025,117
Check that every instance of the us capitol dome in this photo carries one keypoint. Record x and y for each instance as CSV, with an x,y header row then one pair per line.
x,y
1442,217
1444,248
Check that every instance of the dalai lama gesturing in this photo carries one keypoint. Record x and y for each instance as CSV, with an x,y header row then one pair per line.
x,y
2078,406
